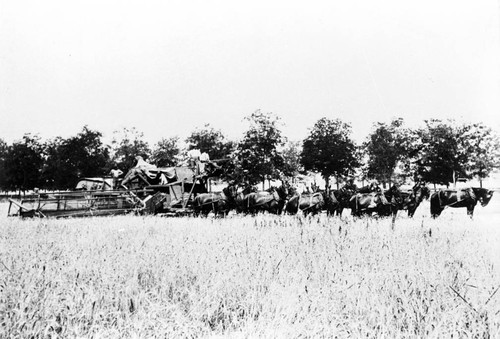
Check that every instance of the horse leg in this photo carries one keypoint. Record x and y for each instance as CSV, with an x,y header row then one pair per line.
x,y
470,211
218,212
436,213
411,211
393,221
436,208
353,205
394,213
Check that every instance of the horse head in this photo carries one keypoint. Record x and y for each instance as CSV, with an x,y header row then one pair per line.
x,y
483,195
230,191
282,191
247,189
421,192
395,193
425,192
345,193
292,191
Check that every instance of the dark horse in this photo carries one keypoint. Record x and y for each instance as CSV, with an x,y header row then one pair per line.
x,y
374,202
272,200
219,203
467,198
307,203
412,199
337,200
242,198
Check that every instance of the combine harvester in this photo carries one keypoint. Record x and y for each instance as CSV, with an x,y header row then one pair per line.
x,y
145,189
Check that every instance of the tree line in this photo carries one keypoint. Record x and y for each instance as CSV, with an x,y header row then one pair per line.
x,y
440,152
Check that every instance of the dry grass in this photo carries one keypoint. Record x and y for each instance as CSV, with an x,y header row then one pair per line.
x,y
142,277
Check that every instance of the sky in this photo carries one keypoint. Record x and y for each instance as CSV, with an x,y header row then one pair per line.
x,y
168,67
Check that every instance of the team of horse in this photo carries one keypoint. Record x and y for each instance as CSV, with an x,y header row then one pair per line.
x,y
368,200
362,202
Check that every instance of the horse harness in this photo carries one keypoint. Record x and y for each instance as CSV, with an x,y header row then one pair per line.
x,y
311,205
221,195
274,197
468,191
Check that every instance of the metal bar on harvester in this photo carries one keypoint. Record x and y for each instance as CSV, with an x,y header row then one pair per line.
x,y
166,185
189,196
137,199
18,204
143,178
182,193
38,202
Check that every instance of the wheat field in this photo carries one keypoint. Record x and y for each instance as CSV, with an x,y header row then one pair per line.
x,y
251,277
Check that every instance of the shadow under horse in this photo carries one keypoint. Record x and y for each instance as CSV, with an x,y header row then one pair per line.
x,y
467,198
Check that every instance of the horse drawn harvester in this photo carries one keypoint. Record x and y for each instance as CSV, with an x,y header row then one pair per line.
x,y
145,189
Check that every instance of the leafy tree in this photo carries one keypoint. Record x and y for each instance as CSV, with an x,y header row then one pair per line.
x,y
291,159
23,163
165,151
93,155
126,145
83,155
330,150
479,150
211,141
53,173
385,148
257,153
438,159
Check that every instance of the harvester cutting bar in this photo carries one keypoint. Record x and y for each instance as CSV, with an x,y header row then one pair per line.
x,y
75,204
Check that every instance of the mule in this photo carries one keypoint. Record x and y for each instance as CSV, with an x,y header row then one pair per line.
x,y
242,198
467,198
382,204
337,200
219,203
272,200
306,203
394,201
